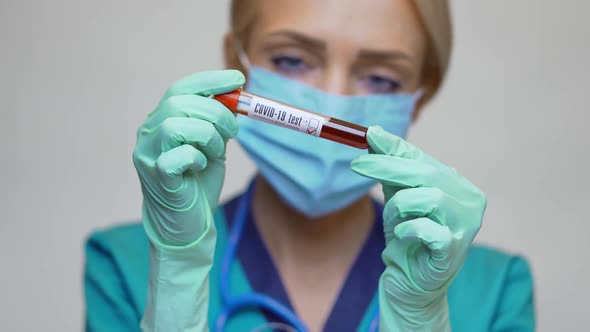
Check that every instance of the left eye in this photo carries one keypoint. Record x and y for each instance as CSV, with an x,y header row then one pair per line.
x,y
289,64
380,84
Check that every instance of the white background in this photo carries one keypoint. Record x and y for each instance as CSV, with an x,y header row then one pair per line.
x,y
78,77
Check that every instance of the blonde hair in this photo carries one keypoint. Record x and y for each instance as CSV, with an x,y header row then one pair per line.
x,y
436,20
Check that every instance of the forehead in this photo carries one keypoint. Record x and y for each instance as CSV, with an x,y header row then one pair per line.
x,y
371,24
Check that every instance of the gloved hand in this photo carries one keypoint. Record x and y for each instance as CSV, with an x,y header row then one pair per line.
x,y
180,156
180,160
431,217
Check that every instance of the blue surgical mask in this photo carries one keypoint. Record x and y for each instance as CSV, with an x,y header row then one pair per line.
x,y
313,175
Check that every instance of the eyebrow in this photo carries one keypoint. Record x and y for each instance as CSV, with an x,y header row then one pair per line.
x,y
301,38
374,55
384,55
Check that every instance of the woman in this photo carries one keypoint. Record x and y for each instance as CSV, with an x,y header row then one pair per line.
x,y
306,239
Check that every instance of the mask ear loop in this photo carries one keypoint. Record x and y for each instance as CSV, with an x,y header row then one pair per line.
x,y
242,56
418,95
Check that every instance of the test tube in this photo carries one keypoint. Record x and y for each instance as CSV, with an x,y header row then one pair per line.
x,y
287,116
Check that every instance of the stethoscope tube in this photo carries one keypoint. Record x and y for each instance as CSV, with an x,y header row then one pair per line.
x,y
253,300
230,305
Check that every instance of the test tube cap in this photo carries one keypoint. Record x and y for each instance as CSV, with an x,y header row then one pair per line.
x,y
229,99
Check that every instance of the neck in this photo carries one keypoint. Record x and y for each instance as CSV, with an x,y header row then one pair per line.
x,y
293,238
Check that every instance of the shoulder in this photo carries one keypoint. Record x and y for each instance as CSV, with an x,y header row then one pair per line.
x,y
126,238
481,256
116,274
118,252
492,283
492,268
123,249
486,261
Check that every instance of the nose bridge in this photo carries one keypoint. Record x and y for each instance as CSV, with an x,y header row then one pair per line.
x,y
335,79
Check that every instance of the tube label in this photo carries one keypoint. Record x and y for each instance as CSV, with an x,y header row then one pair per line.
x,y
285,116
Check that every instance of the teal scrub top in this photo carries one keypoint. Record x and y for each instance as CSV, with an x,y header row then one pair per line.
x,y
492,292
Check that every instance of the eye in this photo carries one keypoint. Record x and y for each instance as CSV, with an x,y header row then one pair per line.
x,y
290,65
380,84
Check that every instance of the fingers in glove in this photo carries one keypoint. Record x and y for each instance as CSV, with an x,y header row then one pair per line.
x,y
171,165
418,202
385,143
400,172
436,237
175,132
196,107
206,83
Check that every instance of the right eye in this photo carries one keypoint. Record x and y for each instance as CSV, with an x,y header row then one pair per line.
x,y
289,65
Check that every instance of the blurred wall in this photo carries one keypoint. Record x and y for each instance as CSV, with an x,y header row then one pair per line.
x,y
78,77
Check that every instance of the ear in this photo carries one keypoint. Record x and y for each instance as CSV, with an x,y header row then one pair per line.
x,y
430,84
232,61
421,103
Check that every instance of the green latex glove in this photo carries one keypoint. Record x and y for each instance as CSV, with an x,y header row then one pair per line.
x,y
180,156
180,160
431,217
